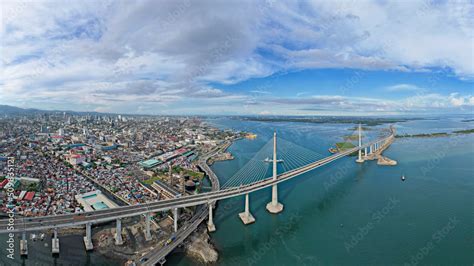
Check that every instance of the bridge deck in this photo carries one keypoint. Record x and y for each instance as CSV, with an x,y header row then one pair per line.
x,y
69,220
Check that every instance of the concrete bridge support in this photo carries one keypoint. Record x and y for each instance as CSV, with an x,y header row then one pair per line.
x,y
359,157
365,151
247,217
175,218
23,245
274,206
88,238
55,242
210,223
148,236
118,233
371,149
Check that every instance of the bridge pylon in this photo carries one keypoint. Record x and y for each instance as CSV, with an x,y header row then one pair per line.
x,y
274,206
359,157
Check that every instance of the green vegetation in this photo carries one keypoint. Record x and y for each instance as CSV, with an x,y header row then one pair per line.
x,y
351,137
182,171
193,174
341,120
342,146
439,134
357,128
32,187
466,131
423,135
150,180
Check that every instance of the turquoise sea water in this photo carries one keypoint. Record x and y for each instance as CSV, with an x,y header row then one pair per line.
x,y
343,213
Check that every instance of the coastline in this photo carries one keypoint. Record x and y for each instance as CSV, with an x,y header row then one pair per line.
x,y
437,134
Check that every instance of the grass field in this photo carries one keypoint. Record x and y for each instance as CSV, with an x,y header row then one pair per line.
x,y
150,180
342,146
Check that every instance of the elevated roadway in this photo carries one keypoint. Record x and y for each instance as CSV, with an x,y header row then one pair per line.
x,y
100,216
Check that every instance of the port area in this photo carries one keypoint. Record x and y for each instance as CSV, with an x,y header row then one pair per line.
x,y
222,154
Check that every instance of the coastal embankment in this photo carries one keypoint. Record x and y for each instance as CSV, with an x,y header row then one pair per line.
x,y
377,155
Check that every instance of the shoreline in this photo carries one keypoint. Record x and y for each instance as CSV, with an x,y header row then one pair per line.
x,y
437,134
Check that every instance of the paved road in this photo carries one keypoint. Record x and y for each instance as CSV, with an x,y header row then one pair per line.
x,y
158,254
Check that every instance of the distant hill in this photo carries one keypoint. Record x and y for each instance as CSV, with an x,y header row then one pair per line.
x,y
7,109
13,110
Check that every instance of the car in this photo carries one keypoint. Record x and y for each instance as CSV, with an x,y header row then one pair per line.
x,y
144,259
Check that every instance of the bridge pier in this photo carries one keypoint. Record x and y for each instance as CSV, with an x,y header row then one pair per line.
x,y
55,242
247,217
23,245
210,223
118,233
88,238
274,206
175,218
148,236
365,151
359,157
371,149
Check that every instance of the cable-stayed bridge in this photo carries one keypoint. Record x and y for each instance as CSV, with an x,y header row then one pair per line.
x,y
265,169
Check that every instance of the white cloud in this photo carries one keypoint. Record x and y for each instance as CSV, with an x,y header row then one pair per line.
x,y
403,87
103,52
458,100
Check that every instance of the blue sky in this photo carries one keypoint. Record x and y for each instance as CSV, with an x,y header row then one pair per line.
x,y
239,57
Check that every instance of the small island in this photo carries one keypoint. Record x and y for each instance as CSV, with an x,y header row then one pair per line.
x,y
366,121
437,134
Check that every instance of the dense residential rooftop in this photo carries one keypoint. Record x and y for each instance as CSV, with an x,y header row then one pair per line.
x,y
59,156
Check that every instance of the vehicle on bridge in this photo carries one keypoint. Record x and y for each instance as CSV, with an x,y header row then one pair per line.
x,y
170,240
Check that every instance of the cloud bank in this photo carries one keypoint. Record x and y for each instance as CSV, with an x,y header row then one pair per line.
x,y
156,56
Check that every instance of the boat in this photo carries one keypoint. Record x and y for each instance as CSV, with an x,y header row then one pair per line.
x,y
268,160
403,177
33,237
42,236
